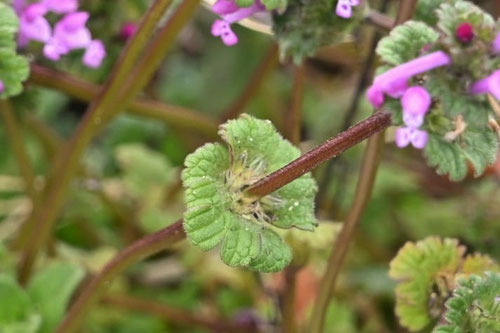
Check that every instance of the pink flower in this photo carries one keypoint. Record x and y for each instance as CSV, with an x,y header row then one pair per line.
x,y
490,84
128,30
231,13
94,54
465,33
344,8
2,87
33,25
407,135
61,6
416,100
394,81
496,44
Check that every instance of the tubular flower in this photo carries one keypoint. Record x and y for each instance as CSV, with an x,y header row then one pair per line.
x,y
94,54
33,25
344,8
394,82
490,84
230,13
61,6
496,44
406,135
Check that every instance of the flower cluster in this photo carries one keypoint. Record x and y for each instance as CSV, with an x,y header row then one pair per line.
x,y
415,100
230,13
69,33
344,7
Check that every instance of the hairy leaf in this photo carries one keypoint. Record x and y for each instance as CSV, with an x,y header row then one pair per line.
x,y
220,211
405,42
474,306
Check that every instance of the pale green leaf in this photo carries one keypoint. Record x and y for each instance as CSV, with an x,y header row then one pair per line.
x,y
51,290
405,42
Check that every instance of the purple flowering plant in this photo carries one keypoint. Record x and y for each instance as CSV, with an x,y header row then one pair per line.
x,y
250,195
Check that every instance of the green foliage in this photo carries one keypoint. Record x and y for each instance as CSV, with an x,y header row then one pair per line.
x,y
474,146
13,68
474,306
51,289
17,314
219,210
426,11
427,271
275,4
307,25
405,42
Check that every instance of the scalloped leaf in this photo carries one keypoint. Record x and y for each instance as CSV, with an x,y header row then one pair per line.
x,y
474,306
420,268
14,69
478,263
218,209
426,11
476,146
405,42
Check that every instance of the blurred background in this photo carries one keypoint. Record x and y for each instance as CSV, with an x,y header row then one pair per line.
x,y
128,183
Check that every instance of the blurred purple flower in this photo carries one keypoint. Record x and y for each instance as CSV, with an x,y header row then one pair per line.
x,y
496,44
406,135
61,6
416,100
490,84
231,13
394,81
94,54
344,8
2,87
33,25
128,30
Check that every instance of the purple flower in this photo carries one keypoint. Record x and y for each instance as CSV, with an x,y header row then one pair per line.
x,y
231,13
18,6
61,6
416,100
496,44
94,54
406,135
33,25
128,30
394,81
490,84
344,8
2,87
70,33
223,29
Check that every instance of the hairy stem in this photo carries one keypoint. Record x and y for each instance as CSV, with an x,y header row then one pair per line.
x,y
293,119
134,253
174,315
362,196
270,61
104,104
329,149
15,136
143,107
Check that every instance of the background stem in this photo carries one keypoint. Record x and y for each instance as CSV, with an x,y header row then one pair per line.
x,y
293,118
134,253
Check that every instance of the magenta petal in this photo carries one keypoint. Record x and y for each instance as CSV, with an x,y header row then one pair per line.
x,y
418,138
74,21
243,13
94,54
416,100
413,120
403,137
218,27
61,6
54,49
375,96
222,7
496,44
494,84
37,29
18,6
34,11
354,2
2,87
229,38
396,88
344,9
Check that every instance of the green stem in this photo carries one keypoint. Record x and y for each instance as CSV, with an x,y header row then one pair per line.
x,y
67,165
15,136
268,64
362,196
143,107
134,253
174,315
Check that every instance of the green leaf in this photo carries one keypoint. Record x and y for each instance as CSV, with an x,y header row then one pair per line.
x,y
474,306
405,42
219,210
421,268
51,289
275,4
8,26
426,11
479,147
16,310
244,3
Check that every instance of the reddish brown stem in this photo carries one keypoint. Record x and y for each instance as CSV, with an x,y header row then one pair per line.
x,y
136,252
269,62
178,316
294,115
329,149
